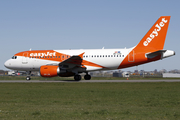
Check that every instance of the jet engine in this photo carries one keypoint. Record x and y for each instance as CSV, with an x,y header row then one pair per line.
x,y
53,71
49,71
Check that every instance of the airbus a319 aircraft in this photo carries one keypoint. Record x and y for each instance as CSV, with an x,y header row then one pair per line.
x,y
65,63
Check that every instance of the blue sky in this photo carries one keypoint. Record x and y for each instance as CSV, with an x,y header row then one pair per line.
x,y
85,24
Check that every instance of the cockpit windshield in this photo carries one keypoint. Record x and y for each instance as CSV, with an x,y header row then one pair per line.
x,y
14,57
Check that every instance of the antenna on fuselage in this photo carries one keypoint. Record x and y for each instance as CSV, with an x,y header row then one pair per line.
x,y
30,49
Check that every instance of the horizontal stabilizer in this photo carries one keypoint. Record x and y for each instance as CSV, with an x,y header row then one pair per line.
x,y
163,53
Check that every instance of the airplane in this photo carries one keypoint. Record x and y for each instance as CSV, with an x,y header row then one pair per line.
x,y
66,63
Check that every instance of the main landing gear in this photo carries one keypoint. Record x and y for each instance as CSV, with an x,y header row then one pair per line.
x,y
78,77
87,77
28,75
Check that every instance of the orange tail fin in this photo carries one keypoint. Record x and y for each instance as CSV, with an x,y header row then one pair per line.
x,y
155,37
152,43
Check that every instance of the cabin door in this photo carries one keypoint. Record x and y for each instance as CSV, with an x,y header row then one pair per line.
x,y
131,56
24,59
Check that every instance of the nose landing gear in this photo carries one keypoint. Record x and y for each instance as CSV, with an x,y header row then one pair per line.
x,y
28,75
28,78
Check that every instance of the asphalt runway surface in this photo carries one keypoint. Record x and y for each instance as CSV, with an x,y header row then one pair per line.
x,y
84,81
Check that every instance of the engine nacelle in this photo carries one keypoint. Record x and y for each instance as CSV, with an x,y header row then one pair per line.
x,y
53,71
49,71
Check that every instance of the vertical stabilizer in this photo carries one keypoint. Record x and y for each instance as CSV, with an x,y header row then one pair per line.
x,y
152,42
155,37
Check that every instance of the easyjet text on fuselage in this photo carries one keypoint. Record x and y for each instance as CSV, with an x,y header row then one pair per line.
x,y
43,54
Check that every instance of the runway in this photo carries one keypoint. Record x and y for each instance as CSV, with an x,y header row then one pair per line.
x,y
84,81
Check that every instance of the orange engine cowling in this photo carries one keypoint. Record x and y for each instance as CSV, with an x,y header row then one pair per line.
x,y
49,71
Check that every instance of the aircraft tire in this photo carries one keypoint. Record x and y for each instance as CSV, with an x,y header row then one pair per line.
x,y
87,77
28,78
77,77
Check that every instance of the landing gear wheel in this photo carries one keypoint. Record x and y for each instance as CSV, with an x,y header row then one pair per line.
x,y
28,78
77,77
87,77
28,75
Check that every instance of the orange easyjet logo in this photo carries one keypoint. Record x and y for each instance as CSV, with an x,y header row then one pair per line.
x,y
43,54
155,32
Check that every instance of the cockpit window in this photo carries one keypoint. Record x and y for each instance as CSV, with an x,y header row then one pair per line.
x,y
14,57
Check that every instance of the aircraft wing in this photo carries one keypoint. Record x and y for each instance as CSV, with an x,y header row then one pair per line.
x,y
72,62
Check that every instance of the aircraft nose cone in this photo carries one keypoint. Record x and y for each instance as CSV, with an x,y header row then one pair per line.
x,y
7,64
174,53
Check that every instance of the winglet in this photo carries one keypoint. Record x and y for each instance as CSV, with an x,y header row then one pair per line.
x,y
81,55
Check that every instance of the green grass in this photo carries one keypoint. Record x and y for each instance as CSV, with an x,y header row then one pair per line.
x,y
81,101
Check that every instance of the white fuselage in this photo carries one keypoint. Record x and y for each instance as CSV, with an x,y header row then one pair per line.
x,y
108,58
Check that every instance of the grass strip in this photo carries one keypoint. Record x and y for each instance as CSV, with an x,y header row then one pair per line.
x,y
79,101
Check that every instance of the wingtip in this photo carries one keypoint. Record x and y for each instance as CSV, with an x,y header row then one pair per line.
x,y
81,55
